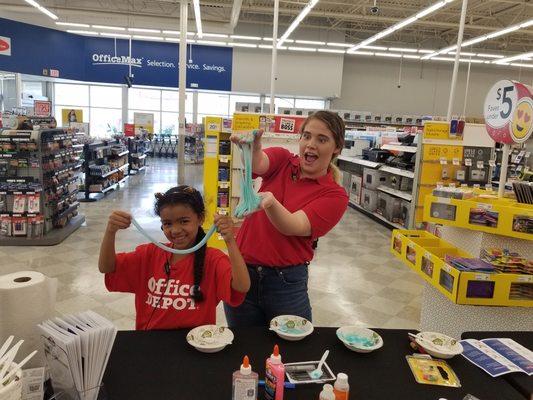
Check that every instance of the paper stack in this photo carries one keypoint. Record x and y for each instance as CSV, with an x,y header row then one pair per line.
x,y
77,348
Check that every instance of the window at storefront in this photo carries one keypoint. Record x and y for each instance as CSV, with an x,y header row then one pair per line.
x,y
236,98
309,104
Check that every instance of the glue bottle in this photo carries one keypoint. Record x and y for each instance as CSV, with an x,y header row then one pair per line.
x,y
341,388
245,382
327,393
274,376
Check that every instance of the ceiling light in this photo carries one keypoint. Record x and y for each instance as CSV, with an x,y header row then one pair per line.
x,y
142,37
402,49
175,40
424,51
197,17
333,44
309,49
411,56
503,32
171,32
526,24
522,65
374,48
215,35
115,35
331,51
113,28
310,42
462,53
42,9
299,18
211,42
73,24
265,46
444,59
443,51
360,53
144,30
388,55
524,56
77,32
467,60
401,24
243,45
245,37
484,55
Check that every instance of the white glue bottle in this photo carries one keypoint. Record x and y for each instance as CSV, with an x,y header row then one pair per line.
x,y
327,393
341,388
244,384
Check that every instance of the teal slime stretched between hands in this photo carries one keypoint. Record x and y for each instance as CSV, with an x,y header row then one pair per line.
x,y
170,249
250,200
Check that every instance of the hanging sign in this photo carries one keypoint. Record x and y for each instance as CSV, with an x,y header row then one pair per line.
x,y
508,111
42,108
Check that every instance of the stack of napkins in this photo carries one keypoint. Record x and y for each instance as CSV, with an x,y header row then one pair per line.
x,y
77,348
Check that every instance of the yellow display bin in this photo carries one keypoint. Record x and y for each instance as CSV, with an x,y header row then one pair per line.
x,y
424,253
503,216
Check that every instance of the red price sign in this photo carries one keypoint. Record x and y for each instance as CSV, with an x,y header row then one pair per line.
x,y
42,108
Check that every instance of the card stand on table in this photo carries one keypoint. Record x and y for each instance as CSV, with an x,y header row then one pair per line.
x,y
498,216
425,254
63,383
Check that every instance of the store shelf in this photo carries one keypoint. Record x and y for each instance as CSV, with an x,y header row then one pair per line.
x,y
397,171
376,217
399,147
425,254
223,185
505,214
224,158
394,192
121,154
142,157
113,171
374,123
73,207
359,161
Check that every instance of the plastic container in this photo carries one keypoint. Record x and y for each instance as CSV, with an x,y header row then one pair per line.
x,y
245,382
327,393
341,388
274,376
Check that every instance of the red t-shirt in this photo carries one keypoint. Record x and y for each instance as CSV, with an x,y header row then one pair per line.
x,y
142,272
323,201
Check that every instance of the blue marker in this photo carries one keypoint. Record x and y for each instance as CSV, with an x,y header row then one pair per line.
x,y
287,385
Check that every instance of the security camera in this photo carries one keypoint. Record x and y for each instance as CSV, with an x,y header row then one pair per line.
x,y
374,10
399,86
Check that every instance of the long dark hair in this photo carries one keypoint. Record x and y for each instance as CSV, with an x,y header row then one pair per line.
x,y
189,196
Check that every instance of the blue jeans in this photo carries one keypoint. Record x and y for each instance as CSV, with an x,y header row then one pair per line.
x,y
273,292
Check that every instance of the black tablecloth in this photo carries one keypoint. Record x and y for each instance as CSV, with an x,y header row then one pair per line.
x,y
522,382
162,365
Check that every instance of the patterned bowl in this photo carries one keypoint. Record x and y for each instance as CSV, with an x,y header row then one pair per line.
x,y
291,327
360,340
439,345
210,338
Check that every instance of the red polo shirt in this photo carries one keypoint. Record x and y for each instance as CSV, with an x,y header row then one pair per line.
x,y
323,201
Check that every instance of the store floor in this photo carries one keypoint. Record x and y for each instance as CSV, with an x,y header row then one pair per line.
x,y
353,279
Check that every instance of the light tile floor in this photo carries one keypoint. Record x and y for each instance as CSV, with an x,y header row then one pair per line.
x,y
353,278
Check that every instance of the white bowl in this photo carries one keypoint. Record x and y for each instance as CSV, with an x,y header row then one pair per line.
x,y
438,345
291,327
360,340
210,338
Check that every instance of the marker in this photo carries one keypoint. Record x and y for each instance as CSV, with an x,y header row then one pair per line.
x,y
287,385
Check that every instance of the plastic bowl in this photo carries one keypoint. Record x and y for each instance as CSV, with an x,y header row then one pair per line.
x,y
291,327
360,340
210,338
438,345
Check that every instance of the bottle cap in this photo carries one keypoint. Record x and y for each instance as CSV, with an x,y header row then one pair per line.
x,y
275,357
246,368
342,378
327,388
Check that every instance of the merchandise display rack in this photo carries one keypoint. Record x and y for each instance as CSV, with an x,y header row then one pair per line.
x,y
105,166
138,149
39,176
217,172
194,145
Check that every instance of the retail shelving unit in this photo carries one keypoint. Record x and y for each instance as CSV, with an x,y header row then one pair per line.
x,y
217,172
39,176
138,149
194,145
105,166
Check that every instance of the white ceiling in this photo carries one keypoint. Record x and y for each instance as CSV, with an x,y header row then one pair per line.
x,y
349,18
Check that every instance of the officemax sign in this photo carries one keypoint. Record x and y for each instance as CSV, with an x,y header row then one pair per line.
x,y
5,46
108,59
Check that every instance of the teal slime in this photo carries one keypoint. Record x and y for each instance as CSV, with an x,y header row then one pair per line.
x,y
357,340
170,249
250,200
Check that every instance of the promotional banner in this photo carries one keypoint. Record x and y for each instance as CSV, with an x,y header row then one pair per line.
x,y
70,115
42,108
143,121
35,50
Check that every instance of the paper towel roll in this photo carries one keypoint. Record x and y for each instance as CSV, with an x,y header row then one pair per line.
x,y
26,299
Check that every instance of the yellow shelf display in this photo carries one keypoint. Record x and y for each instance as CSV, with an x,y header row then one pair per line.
x,y
424,253
491,215
217,172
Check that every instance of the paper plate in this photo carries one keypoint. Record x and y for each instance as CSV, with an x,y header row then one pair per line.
x,y
439,345
210,338
291,327
361,340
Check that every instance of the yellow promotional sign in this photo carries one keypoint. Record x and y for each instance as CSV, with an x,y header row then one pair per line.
x,y
213,124
437,130
69,115
245,122
436,152
143,122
